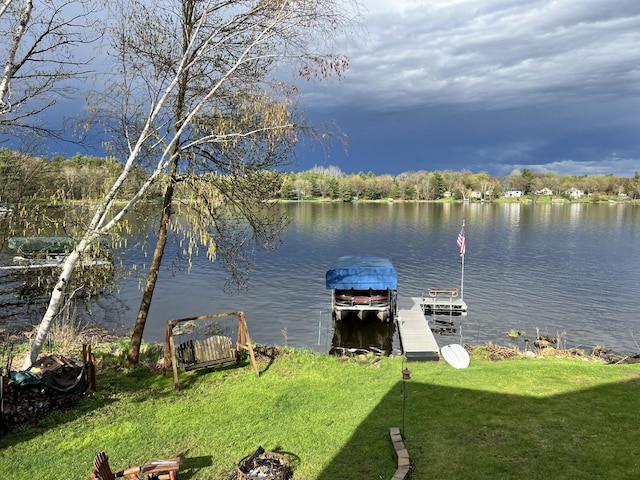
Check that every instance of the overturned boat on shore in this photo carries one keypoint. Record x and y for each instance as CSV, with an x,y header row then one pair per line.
x,y
363,286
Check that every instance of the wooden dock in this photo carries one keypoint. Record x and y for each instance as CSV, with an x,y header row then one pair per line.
x,y
453,306
442,301
416,338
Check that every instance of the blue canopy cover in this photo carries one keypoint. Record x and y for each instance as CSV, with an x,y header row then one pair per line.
x,y
362,273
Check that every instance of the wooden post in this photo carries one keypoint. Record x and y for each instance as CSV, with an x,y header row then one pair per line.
x,y
90,361
245,330
174,364
168,354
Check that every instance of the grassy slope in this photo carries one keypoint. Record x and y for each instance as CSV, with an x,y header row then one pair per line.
x,y
560,418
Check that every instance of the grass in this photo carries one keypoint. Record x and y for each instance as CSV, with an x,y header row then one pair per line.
x,y
522,418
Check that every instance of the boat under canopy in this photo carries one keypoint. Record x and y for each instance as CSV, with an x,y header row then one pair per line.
x,y
363,286
34,253
31,245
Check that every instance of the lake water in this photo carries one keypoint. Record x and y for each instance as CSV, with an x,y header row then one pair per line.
x,y
568,269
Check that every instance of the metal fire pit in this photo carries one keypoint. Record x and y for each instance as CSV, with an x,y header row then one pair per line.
x,y
264,466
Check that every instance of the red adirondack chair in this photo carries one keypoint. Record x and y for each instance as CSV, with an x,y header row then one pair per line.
x,y
164,469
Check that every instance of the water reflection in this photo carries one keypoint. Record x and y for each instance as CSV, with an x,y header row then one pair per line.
x,y
445,325
352,335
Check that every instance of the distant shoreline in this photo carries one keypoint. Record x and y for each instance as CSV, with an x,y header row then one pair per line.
x,y
533,199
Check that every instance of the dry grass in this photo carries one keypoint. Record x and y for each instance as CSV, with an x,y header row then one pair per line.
x,y
66,337
494,352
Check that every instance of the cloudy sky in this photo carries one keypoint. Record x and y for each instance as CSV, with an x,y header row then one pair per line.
x,y
487,85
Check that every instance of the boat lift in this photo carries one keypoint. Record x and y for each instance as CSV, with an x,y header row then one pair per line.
x,y
363,285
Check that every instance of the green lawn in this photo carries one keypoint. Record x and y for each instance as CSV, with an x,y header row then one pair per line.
x,y
514,419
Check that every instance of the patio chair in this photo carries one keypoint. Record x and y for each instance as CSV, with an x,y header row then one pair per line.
x,y
164,469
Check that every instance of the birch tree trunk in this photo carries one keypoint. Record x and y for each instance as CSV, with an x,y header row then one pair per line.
x,y
133,355
56,300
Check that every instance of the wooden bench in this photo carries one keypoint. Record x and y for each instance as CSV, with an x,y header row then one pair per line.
x,y
215,350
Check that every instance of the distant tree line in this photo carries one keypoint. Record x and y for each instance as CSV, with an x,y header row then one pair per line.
x,y
25,179
331,183
85,178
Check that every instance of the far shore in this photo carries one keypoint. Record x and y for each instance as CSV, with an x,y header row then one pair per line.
x,y
528,199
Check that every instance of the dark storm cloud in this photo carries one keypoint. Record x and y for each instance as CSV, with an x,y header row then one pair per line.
x,y
491,85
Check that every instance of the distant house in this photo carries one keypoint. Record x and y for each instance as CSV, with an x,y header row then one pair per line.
x,y
513,194
544,191
574,193
476,194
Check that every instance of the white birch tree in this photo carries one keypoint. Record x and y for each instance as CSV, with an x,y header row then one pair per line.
x,y
263,38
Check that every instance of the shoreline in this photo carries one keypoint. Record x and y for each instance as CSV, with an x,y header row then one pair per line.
x,y
105,343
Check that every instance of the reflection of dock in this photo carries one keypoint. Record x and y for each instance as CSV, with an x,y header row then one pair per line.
x,y
418,342
352,335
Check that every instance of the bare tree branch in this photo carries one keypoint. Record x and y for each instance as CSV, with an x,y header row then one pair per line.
x,y
44,42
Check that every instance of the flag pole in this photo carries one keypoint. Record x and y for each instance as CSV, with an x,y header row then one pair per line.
x,y
462,243
462,280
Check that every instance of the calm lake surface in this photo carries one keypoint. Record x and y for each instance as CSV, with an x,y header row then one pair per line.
x,y
559,269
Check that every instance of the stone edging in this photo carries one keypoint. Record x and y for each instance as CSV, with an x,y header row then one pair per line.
x,y
404,464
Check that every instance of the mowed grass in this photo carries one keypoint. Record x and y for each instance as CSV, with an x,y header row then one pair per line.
x,y
525,418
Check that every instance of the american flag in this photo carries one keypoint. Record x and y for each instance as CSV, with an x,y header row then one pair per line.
x,y
462,243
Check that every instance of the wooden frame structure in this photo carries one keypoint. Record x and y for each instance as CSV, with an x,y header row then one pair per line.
x,y
215,350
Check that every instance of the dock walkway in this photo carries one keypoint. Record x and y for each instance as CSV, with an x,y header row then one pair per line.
x,y
416,337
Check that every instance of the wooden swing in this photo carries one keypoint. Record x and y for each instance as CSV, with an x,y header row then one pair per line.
x,y
215,350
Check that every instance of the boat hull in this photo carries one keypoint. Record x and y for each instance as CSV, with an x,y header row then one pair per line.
x,y
363,304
